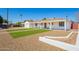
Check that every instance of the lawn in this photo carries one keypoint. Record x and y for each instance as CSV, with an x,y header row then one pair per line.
x,y
21,32
12,30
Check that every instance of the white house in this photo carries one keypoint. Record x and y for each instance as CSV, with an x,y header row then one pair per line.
x,y
52,24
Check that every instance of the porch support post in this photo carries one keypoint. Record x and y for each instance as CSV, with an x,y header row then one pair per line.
x,y
40,25
43,26
50,25
65,26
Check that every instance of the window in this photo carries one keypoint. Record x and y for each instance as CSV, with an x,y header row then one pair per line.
x,y
61,24
35,24
52,23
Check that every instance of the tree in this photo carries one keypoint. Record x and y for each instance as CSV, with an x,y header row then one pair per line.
x,y
44,19
24,20
18,23
28,20
1,20
5,21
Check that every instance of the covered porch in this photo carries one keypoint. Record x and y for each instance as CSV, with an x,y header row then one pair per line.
x,y
52,25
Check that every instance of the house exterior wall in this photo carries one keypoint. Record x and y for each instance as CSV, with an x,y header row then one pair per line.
x,y
68,25
56,26
78,26
27,25
75,25
49,25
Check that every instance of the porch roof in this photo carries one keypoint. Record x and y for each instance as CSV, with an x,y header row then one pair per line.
x,y
47,21
50,20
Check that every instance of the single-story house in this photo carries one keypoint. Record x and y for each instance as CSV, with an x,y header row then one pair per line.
x,y
51,23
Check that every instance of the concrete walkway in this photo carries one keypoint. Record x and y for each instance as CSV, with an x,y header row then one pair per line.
x,y
60,44
77,40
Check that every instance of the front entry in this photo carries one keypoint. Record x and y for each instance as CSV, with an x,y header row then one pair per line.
x,y
45,25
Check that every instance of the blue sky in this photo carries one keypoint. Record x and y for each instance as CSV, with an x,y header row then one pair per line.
x,y
38,13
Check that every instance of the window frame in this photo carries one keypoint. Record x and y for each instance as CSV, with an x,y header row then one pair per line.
x,y
61,24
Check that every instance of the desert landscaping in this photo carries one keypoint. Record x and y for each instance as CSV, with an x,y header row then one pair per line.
x,y
30,42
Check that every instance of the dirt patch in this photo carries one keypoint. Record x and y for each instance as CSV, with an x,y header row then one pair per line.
x,y
58,33
33,44
7,42
30,43
70,40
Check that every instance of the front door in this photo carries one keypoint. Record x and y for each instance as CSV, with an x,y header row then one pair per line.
x,y
45,25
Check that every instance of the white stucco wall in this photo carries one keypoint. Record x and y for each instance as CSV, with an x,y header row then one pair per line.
x,y
54,26
27,24
57,27
68,25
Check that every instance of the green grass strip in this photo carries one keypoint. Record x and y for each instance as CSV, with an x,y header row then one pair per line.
x,y
26,33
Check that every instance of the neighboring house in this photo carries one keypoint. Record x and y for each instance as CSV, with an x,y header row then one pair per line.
x,y
74,25
53,23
